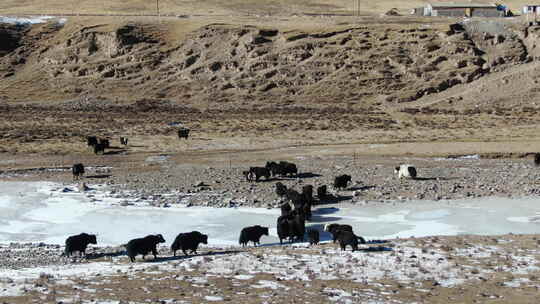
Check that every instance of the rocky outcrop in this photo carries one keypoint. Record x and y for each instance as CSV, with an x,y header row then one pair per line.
x,y
221,62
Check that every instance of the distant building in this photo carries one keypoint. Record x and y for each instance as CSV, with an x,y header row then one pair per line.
x,y
461,10
531,11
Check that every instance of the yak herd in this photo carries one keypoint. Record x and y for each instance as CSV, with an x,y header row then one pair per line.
x,y
100,144
291,224
190,241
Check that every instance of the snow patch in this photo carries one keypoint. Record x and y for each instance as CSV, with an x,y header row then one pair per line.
x,y
269,284
30,20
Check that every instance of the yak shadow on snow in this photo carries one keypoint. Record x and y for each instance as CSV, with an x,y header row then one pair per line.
x,y
331,199
318,215
95,256
435,178
99,176
323,219
307,175
375,249
361,188
426,178
326,210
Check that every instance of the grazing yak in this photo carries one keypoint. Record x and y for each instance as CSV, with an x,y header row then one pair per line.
x,y
334,229
274,168
292,226
286,209
288,168
188,241
79,243
321,192
91,141
313,236
183,133
105,143
99,148
124,141
252,234
405,171
283,228
259,172
537,159
77,170
144,246
300,202
282,168
349,238
307,192
342,181
281,189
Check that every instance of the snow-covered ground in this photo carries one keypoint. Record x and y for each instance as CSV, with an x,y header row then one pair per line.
x,y
49,212
30,20
45,212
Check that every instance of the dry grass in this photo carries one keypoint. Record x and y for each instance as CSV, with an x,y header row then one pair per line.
x,y
209,7
218,7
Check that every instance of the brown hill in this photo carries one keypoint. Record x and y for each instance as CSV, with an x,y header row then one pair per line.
x,y
416,80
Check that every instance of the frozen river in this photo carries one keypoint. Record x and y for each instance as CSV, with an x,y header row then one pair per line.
x,y
39,212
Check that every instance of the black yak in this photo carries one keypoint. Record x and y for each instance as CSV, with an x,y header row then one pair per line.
x,y
321,192
188,241
283,228
281,189
291,226
274,168
313,236
300,202
259,172
252,234
99,148
183,133
79,243
298,224
124,141
288,168
91,140
349,238
334,229
105,143
307,192
537,159
282,168
342,181
144,246
286,209
77,170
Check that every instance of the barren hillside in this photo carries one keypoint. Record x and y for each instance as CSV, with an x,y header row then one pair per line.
x,y
308,79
